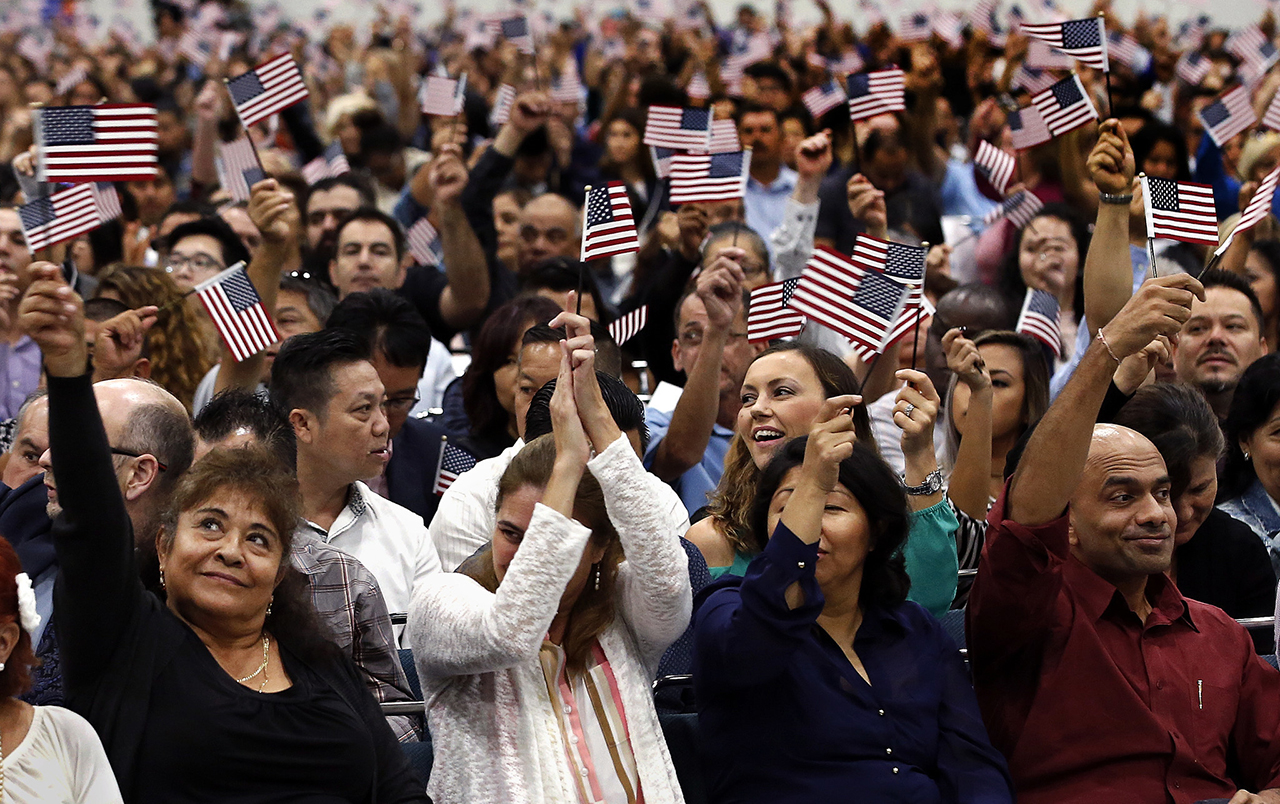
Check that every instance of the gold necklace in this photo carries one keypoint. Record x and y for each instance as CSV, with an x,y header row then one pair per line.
x,y
266,645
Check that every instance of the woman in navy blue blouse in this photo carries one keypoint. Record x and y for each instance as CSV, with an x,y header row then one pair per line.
x,y
816,680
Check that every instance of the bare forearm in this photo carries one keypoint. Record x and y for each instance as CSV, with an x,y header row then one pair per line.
x,y
1054,459
1233,258
467,295
695,413
1108,270
203,151
970,485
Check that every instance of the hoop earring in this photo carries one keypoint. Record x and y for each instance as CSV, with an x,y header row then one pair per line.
x,y
269,603
597,576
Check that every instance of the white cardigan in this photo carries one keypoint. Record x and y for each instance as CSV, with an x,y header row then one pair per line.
x,y
492,728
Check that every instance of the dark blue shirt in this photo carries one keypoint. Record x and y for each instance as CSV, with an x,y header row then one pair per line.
x,y
785,717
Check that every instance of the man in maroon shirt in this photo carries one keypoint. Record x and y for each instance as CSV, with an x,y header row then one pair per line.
x,y
1096,678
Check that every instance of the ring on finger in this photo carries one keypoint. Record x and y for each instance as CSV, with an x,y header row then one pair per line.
x,y
909,410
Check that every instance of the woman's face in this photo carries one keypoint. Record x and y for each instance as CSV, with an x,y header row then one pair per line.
x,y
1263,447
1196,501
1162,161
846,533
514,516
781,399
1263,281
224,561
1008,392
507,375
622,142
347,133
1048,257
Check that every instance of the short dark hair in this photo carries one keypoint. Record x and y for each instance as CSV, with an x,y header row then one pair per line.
x,y
879,139
799,112
382,138
560,274
751,107
234,409
770,69
608,354
233,250
390,323
1256,396
625,406
353,180
1218,278
878,490
742,234
1178,420
374,215
103,308
320,300
302,375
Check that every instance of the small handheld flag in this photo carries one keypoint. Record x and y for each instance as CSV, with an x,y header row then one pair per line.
x,y
237,312
1065,106
629,325
994,165
424,242
1084,40
709,177
770,316
685,129
1258,208
266,89
110,142
608,226
1039,319
238,168
1228,115
875,93
453,462
333,162
67,213
1180,210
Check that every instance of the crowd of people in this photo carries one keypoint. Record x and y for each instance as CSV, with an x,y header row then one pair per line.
x,y
453,512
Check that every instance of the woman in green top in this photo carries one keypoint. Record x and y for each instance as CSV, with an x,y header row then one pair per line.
x,y
782,395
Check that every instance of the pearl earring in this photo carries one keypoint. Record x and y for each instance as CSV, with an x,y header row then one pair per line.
x,y
597,577
162,577
1246,454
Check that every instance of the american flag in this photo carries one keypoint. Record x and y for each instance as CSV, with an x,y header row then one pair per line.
x,y
1065,106
1084,39
682,129
709,177
914,26
1272,118
608,227
698,88
875,93
71,79
1259,207
661,160
424,242
826,291
266,89
1028,128
1128,52
1031,79
1039,319
1180,210
949,27
915,308
1253,48
68,213
442,95
110,142
1191,32
1192,67
567,87
196,45
516,31
333,162
1019,208
724,136
502,105
769,315
745,51
238,167
823,98
453,462
982,17
1041,55
995,165
236,310
1228,115
848,62
629,325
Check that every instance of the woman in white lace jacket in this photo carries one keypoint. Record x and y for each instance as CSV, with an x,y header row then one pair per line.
x,y
537,671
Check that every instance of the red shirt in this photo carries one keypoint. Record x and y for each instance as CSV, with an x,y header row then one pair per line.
x,y
1092,705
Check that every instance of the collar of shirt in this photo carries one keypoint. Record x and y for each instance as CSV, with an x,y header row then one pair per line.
x,y
350,514
1099,598
1259,503
783,185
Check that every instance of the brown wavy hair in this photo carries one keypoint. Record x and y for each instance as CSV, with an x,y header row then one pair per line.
x,y
594,610
15,679
180,350
730,504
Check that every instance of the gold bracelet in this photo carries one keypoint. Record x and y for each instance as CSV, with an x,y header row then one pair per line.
x,y
1107,346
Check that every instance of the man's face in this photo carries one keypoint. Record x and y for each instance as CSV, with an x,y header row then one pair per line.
x,y
401,384
171,134
1218,342
349,441
193,259
759,132
539,365
366,259
1122,519
888,168
324,209
770,92
14,256
547,225
29,443
153,196
738,351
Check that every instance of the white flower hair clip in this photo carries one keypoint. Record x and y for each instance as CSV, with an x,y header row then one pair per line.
x,y
27,603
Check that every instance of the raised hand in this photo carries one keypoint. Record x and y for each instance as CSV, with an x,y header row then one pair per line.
x,y
1160,307
867,205
53,316
694,224
1133,370
572,446
530,110
831,440
915,411
273,210
1111,163
719,286
965,361
600,427
813,155
447,175
119,342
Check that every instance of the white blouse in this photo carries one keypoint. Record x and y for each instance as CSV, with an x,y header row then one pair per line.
x,y
60,761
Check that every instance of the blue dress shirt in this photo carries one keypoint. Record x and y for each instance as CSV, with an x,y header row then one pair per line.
x,y
701,479
785,717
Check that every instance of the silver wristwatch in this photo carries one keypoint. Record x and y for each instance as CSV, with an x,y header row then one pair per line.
x,y
932,484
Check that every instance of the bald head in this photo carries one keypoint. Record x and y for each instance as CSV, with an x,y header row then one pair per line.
x,y
548,228
142,418
119,399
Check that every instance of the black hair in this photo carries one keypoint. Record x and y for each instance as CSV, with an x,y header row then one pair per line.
x,y
1252,404
233,250
1178,420
799,112
352,180
884,502
625,407
320,300
560,274
380,139
608,354
235,409
301,377
1154,132
1270,251
770,69
103,308
1010,279
752,107
880,139
390,323
374,215
660,90
1218,278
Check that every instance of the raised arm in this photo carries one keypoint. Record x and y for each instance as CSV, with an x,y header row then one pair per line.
x,y
1108,270
465,298
970,484
793,239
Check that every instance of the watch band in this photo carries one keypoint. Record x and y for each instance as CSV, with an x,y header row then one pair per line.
x,y
932,485
1108,198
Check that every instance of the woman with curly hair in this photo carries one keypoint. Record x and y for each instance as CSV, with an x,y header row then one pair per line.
x,y
180,346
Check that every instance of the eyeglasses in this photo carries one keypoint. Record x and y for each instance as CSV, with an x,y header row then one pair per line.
x,y
195,262
126,453
403,405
